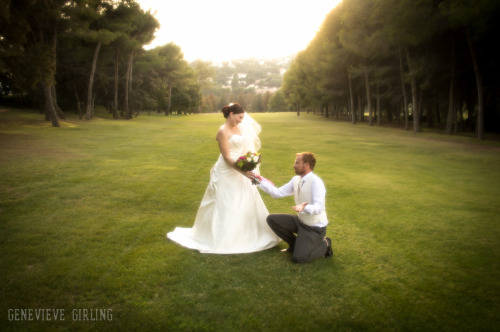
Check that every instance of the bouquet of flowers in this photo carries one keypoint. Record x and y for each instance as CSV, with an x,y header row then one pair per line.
x,y
248,162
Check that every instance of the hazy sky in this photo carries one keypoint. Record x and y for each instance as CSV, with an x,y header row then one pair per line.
x,y
221,30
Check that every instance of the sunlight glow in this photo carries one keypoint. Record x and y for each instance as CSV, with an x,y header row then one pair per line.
x,y
222,30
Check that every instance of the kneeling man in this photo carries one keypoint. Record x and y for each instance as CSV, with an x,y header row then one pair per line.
x,y
304,232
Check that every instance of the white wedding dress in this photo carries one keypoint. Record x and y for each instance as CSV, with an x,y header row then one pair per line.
x,y
231,218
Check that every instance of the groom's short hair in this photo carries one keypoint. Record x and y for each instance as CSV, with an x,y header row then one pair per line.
x,y
308,157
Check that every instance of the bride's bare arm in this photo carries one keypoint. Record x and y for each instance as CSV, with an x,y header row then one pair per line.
x,y
223,140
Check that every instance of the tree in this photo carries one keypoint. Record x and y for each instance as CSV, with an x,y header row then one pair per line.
x,y
278,103
169,70
206,74
294,88
373,50
89,24
473,19
28,31
143,25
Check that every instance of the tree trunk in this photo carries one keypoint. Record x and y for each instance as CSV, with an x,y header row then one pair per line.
x,y
78,104
128,83
438,113
93,103
451,107
115,99
298,109
368,99
420,104
415,106
347,106
169,103
405,99
89,112
360,108
125,102
351,99
58,110
49,105
53,95
479,83
128,89
378,106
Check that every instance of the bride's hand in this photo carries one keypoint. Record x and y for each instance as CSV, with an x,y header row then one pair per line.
x,y
250,175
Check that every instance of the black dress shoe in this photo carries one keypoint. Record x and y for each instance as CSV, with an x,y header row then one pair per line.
x,y
329,250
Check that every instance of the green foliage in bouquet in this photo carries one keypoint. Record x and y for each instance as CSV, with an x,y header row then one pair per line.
x,y
249,161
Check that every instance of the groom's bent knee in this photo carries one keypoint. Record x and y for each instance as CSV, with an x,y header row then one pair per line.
x,y
270,220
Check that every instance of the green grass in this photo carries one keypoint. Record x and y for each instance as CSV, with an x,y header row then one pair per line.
x,y
84,210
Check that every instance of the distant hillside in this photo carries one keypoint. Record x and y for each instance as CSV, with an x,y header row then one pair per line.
x,y
260,74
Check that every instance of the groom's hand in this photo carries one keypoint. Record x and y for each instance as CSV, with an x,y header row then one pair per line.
x,y
262,179
257,176
300,207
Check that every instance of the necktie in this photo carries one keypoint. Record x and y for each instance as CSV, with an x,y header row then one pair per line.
x,y
301,183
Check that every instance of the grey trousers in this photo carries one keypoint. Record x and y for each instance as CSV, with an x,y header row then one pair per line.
x,y
306,242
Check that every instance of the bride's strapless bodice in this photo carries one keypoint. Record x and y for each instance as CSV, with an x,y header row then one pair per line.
x,y
236,143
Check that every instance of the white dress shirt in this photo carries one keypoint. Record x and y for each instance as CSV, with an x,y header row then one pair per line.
x,y
318,190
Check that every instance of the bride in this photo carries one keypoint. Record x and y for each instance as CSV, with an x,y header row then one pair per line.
x,y
232,216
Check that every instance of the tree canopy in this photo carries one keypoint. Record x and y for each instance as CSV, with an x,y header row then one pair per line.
x,y
90,52
404,60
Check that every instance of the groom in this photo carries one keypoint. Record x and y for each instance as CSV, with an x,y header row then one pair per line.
x,y
304,232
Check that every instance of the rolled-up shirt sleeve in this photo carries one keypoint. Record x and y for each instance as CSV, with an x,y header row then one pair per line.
x,y
283,191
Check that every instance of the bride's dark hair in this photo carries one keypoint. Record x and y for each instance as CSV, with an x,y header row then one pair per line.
x,y
235,108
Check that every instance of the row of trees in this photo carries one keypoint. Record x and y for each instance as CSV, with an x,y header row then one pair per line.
x,y
419,61
66,55
433,61
216,97
74,54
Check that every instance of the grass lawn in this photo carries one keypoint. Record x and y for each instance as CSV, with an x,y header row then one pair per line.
x,y
84,209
